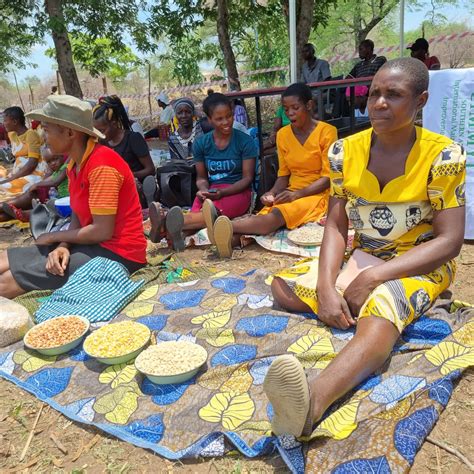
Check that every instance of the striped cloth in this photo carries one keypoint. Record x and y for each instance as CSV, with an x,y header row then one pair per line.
x,y
98,291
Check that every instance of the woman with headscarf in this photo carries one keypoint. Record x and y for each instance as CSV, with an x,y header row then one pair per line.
x,y
181,141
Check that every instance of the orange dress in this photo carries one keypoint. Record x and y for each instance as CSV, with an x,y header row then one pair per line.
x,y
304,164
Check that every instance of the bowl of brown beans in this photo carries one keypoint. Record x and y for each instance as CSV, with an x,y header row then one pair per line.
x,y
58,335
171,361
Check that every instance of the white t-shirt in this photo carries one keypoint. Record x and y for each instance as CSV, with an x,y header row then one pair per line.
x,y
167,115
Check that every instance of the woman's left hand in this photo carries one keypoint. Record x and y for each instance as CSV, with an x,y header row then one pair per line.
x,y
286,196
358,291
214,196
47,239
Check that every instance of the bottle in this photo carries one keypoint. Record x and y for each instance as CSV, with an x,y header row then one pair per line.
x,y
53,193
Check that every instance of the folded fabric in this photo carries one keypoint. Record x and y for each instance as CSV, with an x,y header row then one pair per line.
x,y
97,291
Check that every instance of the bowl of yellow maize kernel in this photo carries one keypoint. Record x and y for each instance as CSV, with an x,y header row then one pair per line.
x,y
171,361
117,343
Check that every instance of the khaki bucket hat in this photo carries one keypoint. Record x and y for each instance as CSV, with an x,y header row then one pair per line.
x,y
68,111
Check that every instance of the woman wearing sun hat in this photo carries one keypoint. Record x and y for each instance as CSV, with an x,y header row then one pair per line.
x,y
106,219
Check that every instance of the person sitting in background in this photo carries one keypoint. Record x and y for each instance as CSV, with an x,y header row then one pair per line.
x,y
25,145
360,100
280,120
106,217
420,50
402,189
370,63
225,167
18,207
301,191
180,142
240,114
167,114
111,119
314,70
3,133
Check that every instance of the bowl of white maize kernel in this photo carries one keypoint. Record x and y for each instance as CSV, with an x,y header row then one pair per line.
x,y
171,361
117,343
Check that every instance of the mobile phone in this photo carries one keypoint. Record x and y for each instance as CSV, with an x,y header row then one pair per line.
x,y
212,191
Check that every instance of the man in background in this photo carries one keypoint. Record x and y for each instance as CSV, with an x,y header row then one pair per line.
x,y
419,50
314,69
370,63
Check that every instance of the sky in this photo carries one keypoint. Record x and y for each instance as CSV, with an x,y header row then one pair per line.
x,y
45,65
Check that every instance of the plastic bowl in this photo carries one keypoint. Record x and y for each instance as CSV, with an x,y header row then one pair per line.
x,y
122,359
63,206
171,379
52,351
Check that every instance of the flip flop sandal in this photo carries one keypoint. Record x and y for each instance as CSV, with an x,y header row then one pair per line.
x,y
287,390
51,207
150,189
223,233
174,227
210,215
156,220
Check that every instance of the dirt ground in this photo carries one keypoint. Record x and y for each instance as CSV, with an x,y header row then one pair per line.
x,y
83,449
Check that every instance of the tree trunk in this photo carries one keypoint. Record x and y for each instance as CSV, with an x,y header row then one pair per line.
x,y
304,22
359,34
226,45
63,48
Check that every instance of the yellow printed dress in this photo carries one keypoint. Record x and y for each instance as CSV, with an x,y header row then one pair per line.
x,y
24,147
393,220
304,164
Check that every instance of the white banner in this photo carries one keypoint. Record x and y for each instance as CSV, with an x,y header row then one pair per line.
x,y
450,112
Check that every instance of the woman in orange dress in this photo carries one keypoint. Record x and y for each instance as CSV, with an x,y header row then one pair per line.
x,y
28,168
301,191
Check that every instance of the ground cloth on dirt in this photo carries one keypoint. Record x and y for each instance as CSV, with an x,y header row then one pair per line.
x,y
379,427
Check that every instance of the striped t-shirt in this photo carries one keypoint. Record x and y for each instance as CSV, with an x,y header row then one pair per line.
x,y
105,186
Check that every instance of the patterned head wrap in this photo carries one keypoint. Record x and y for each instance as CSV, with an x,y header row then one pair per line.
x,y
184,101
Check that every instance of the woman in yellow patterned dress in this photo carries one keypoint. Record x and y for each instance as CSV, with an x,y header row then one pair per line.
x,y
402,188
28,168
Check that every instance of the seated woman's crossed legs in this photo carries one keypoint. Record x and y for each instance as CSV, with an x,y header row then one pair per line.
x,y
300,400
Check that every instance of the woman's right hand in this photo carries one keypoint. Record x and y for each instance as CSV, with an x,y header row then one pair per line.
x,y
58,261
201,194
333,310
267,199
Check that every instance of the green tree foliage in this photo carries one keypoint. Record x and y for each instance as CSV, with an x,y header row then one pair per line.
x,y
24,23
247,21
99,57
17,36
184,58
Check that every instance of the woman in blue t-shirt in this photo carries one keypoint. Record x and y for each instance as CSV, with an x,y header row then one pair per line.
x,y
225,168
